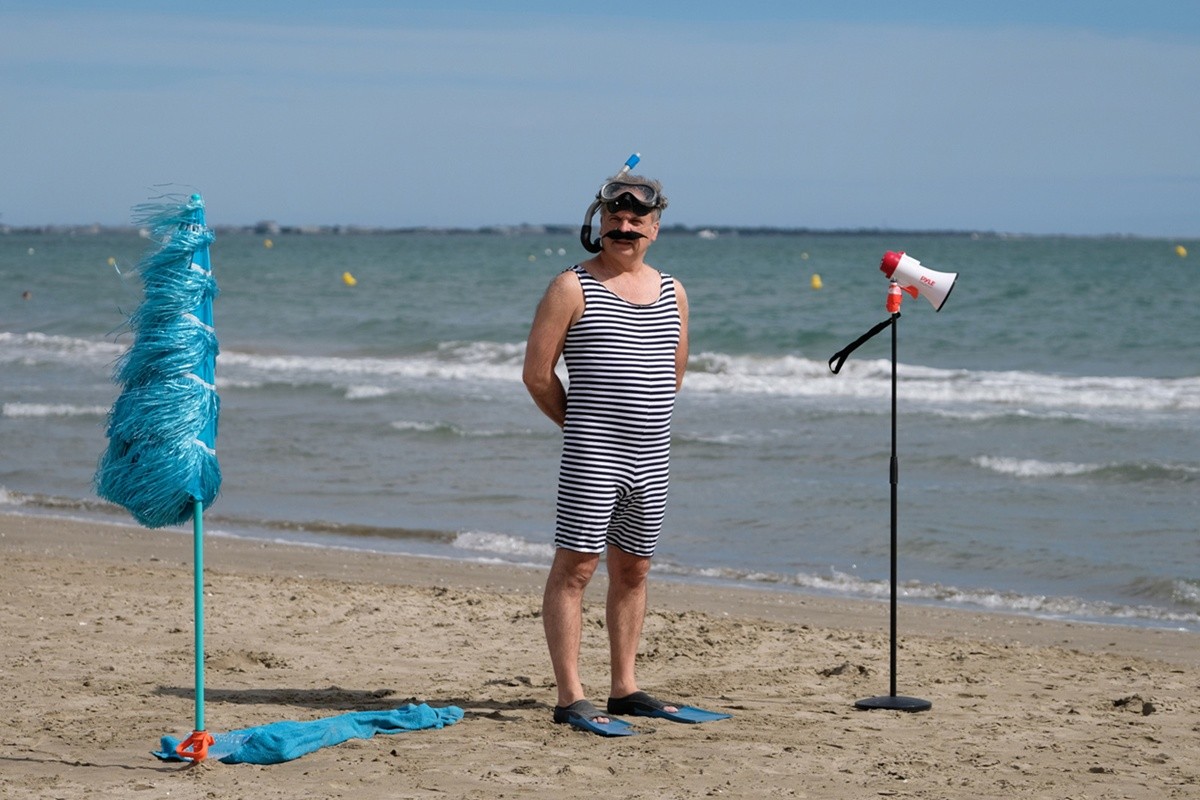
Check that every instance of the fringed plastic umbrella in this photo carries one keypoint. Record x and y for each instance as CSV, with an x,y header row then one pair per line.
x,y
161,462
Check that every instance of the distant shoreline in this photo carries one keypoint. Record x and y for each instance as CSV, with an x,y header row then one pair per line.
x,y
269,228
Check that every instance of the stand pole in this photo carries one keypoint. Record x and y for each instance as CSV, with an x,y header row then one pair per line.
x,y
892,700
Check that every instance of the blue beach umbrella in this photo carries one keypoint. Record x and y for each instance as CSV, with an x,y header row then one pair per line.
x,y
161,458
161,462
161,465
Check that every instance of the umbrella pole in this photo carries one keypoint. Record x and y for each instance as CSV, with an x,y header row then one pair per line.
x,y
195,747
198,560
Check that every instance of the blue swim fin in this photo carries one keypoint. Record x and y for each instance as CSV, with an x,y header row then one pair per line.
x,y
641,704
582,715
691,714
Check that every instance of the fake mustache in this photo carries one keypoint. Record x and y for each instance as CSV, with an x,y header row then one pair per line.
x,y
628,236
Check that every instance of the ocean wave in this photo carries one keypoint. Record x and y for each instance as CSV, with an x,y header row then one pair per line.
x,y
323,528
1173,603
842,584
451,355
36,348
53,503
793,376
450,429
1131,471
1177,593
426,427
50,410
1032,468
1180,591
945,391
325,532
501,544
1015,415
366,392
719,439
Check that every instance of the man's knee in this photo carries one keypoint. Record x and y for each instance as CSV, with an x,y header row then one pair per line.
x,y
626,569
572,571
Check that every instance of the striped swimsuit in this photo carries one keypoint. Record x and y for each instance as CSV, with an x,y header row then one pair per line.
x,y
612,483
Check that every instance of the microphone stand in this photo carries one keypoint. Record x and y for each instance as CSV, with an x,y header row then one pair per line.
x,y
891,700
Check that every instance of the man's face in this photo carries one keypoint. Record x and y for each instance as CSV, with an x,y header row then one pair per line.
x,y
633,232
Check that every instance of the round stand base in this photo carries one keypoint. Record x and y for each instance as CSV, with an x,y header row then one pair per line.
x,y
895,703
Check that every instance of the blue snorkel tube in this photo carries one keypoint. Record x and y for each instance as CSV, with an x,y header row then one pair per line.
x,y
585,233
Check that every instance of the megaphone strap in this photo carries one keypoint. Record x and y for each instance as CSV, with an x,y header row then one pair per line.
x,y
841,355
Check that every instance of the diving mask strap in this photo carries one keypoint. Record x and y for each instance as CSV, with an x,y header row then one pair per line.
x,y
585,232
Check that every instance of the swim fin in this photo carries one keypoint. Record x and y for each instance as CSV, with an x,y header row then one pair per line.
x,y
641,704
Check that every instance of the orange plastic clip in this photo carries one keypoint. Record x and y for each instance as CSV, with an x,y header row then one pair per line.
x,y
895,296
195,747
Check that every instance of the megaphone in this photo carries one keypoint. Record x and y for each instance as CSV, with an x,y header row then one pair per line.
x,y
917,280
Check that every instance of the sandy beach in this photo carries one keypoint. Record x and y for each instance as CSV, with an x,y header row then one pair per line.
x,y
97,665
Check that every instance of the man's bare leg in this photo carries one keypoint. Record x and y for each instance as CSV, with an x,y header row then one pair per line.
x,y
625,612
562,619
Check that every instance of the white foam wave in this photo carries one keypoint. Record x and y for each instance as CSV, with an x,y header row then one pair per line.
x,y
944,391
50,410
982,415
504,545
422,427
365,392
478,361
840,583
721,438
1187,591
224,383
1032,468
36,348
1010,391
950,392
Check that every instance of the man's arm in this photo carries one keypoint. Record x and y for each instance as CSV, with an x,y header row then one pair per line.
x,y
558,310
681,352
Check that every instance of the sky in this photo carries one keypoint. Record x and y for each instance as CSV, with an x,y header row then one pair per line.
x,y
1028,116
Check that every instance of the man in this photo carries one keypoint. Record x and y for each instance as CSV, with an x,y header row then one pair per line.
x,y
621,326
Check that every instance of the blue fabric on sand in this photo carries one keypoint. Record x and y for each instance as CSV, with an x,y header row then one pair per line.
x,y
283,741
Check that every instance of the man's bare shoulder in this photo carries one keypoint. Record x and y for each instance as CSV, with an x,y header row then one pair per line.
x,y
565,286
562,304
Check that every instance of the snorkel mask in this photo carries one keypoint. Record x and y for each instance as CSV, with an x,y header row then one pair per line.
x,y
618,194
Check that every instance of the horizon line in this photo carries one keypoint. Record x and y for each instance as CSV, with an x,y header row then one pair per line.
x,y
271,228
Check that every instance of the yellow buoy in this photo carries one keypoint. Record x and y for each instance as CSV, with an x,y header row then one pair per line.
x,y
1181,251
112,261
348,279
267,243
816,281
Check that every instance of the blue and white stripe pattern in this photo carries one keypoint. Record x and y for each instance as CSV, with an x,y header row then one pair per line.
x,y
617,438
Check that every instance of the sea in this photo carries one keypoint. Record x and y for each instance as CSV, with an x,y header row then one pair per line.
x,y
1046,419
